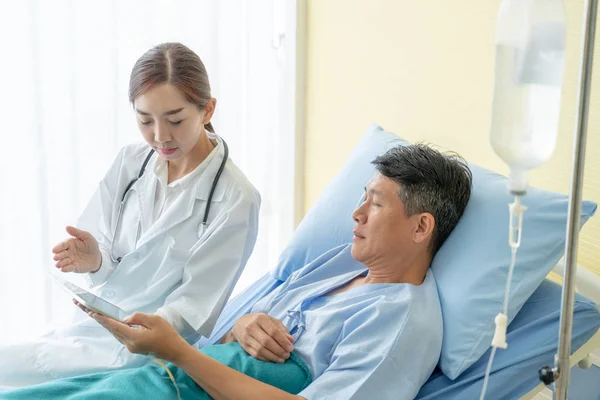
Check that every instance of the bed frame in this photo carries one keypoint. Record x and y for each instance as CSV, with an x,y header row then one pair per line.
x,y
587,283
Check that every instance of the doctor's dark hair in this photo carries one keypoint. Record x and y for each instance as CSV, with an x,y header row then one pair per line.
x,y
430,182
177,65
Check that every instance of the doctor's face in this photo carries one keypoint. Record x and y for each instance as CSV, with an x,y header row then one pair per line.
x,y
169,123
383,231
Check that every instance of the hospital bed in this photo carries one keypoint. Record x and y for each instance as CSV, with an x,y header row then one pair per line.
x,y
532,335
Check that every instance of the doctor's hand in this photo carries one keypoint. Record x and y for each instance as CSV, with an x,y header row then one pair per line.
x,y
263,337
78,254
152,335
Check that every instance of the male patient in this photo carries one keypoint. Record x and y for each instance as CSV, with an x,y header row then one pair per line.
x,y
361,322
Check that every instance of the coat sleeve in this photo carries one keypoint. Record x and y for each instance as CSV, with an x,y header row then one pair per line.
x,y
97,219
215,264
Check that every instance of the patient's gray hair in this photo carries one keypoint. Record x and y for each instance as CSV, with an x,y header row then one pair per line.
x,y
430,181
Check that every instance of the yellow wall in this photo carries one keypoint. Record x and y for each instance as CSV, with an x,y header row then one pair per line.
x,y
424,70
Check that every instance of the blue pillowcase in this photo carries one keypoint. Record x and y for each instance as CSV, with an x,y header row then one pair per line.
x,y
470,268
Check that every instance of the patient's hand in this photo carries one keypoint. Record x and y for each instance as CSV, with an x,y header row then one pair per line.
x,y
263,337
152,335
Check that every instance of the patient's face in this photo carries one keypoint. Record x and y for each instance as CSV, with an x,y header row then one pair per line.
x,y
382,230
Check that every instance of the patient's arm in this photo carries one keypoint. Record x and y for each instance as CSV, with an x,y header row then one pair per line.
x,y
154,335
222,382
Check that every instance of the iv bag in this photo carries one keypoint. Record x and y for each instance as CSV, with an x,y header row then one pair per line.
x,y
530,57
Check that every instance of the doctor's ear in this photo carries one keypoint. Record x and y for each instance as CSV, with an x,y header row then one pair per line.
x,y
209,110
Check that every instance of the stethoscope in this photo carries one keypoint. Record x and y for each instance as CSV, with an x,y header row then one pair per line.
x,y
117,230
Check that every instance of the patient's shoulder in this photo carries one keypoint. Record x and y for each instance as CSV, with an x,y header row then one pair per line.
x,y
425,313
425,299
408,314
395,320
404,326
419,342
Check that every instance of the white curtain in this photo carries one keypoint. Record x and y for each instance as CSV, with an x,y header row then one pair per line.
x,y
64,114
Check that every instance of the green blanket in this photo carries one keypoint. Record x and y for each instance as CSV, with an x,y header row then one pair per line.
x,y
153,382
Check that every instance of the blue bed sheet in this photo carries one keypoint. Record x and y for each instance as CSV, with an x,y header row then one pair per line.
x,y
532,338
532,341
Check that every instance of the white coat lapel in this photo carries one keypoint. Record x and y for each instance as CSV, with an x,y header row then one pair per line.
x,y
177,212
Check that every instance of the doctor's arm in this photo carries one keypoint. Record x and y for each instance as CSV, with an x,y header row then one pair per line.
x,y
97,217
216,262
87,250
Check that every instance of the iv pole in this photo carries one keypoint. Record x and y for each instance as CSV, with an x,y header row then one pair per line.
x,y
562,367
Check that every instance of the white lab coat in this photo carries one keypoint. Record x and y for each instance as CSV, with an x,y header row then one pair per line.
x,y
176,269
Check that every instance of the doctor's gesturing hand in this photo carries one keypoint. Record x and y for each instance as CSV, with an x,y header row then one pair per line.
x,y
80,253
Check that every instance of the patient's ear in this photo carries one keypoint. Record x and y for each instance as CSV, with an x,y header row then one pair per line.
x,y
424,225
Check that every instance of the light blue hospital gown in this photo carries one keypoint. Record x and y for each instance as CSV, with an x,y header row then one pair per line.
x,y
375,341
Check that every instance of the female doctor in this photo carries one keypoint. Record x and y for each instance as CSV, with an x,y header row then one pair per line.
x,y
168,231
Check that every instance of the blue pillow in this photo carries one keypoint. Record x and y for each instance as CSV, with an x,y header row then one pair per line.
x,y
470,268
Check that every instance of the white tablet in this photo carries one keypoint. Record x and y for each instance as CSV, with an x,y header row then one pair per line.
x,y
90,301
